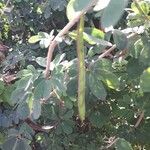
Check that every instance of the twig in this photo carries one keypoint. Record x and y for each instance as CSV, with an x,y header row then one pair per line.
x,y
107,52
38,127
110,50
63,32
7,3
112,143
139,119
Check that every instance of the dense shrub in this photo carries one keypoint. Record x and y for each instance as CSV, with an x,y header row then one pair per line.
x,y
96,92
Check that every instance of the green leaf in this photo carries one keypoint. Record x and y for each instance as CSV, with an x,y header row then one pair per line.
x,y
95,32
2,138
113,12
101,5
58,4
97,87
14,143
21,92
103,64
72,88
134,68
4,121
59,85
17,96
120,39
58,59
25,82
26,130
122,144
98,119
68,114
34,39
10,144
36,109
91,39
145,52
23,145
67,128
29,71
104,72
75,6
110,79
68,103
44,35
44,43
144,80
136,49
43,89
1,87
41,61
145,7
23,111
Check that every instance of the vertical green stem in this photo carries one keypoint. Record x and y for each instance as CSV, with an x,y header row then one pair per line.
x,y
81,69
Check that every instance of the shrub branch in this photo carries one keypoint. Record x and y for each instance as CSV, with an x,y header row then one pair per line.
x,y
106,53
139,119
63,32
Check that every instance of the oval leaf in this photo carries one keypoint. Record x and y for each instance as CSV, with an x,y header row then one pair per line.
x,y
75,6
113,12
101,4
97,87
144,80
120,39
122,144
110,79
36,109
42,90
34,39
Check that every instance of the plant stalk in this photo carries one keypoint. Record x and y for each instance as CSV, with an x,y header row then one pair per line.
x,y
81,69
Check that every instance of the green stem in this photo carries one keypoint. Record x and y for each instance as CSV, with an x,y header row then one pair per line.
x,y
81,69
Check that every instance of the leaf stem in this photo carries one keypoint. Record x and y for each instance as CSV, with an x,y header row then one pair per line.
x,y
139,119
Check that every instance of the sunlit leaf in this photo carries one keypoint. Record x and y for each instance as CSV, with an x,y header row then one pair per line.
x,y
101,4
95,32
41,61
110,79
144,80
91,39
34,39
75,6
145,6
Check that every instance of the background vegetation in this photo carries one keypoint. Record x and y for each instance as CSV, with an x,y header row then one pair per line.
x,y
97,93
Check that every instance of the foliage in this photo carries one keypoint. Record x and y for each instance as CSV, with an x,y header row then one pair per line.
x,y
97,101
